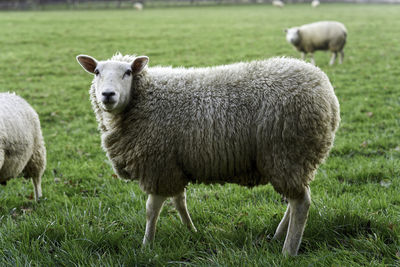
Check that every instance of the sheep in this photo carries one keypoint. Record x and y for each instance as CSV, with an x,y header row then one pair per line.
x,y
315,3
22,147
249,123
278,3
322,35
138,6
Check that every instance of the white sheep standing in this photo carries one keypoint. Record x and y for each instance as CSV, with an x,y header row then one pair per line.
x,y
270,121
315,3
322,35
22,147
138,6
278,3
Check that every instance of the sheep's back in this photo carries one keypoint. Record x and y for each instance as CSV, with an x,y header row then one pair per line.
x,y
323,35
240,123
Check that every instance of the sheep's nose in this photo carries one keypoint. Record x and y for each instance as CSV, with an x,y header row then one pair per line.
x,y
108,94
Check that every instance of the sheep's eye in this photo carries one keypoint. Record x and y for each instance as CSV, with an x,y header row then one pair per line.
x,y
127,73
97,72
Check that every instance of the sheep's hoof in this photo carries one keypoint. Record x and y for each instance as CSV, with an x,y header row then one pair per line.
x,y
277,237
286,253
192,228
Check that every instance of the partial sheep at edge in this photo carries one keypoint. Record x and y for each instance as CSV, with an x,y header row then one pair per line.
x,y
22,149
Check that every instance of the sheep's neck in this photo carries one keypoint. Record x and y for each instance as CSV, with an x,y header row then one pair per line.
x,y
108,120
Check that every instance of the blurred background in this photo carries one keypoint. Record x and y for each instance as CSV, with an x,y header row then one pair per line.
x,y
95,4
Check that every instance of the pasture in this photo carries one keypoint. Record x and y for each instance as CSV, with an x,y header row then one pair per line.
x,y
88,217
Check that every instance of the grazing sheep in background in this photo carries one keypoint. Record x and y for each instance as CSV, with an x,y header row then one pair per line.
x,y
323,35
270,121
315,3
22,147
278,3
138,6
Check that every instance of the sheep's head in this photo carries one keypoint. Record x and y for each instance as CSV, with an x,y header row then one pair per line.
x,y
113,80
293,35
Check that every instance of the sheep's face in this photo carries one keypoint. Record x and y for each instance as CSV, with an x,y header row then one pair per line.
x,y
293,36
113,80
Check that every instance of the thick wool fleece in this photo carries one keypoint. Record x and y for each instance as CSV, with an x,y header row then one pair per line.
x,y
323,35
270,121
21,143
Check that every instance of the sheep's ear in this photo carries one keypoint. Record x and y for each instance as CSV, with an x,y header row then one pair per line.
x,y
285,30
139,63
87,62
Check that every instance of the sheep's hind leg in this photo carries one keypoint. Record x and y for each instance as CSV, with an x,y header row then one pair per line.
x,y
37,185
179,202
341,57
1,158
34,169
153,207
1,166
297,222
303,55
283,225
333,58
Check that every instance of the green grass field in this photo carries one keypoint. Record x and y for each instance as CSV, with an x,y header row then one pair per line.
x,y
88,217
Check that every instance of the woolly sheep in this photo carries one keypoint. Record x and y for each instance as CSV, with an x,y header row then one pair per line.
x,y
322,35
315,3
22,147
270,121
138,6
278,3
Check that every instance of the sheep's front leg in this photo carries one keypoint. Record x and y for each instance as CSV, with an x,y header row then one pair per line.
x,y
153,207
312,59
333,58
303,55
180,205
297,222
283,225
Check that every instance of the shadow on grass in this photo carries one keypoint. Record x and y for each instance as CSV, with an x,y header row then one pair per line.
x,y
376,239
